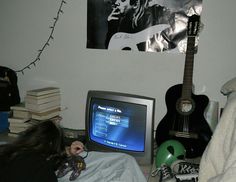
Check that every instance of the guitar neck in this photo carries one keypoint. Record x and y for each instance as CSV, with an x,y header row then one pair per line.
x,y
188,69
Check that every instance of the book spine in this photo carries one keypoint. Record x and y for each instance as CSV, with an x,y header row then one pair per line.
x,y
43,91
42,107
17,120
29,100
21,114
43,117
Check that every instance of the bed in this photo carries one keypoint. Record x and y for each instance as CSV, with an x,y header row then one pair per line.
x,y
108,167
218,163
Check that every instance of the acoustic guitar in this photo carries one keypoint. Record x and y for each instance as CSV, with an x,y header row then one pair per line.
x,y
184,120
122,40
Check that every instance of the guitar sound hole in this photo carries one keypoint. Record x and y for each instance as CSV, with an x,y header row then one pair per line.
x,y
127,49
185,106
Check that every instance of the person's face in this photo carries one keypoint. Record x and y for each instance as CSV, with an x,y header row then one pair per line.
x,y
123,5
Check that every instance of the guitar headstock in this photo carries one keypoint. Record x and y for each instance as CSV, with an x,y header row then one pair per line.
x,y
193,25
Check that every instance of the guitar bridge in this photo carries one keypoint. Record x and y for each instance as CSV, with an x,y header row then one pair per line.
x,y
180,134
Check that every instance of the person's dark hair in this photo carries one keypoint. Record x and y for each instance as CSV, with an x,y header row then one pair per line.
x,y
45,138
140,6
133,2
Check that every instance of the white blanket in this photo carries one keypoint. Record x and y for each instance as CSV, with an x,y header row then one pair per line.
x,y
218,163
109,167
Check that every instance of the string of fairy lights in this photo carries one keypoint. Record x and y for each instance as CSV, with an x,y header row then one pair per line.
x,y
48,41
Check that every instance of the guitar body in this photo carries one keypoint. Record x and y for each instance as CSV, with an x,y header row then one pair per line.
x,y
190,128
122,40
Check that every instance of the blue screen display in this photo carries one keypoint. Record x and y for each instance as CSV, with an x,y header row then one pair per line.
x,y
118,124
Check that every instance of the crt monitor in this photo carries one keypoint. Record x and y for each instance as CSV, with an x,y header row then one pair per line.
x,y
120,122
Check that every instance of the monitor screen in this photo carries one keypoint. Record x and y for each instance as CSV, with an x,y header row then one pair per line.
x,y
120,122
113,122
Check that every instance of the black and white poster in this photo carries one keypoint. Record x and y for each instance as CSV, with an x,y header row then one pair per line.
x,y
141,25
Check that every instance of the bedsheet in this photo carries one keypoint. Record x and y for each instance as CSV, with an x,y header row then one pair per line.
x,y
218,163
109,167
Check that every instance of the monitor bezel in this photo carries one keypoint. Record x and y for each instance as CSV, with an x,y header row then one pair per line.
x,y
143,158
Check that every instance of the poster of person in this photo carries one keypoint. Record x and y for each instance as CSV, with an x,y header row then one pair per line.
x,y
141,25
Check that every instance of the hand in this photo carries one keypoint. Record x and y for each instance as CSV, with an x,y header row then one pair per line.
x,y
115,15
76,148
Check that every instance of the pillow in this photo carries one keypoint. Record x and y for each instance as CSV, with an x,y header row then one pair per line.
x,y
229,86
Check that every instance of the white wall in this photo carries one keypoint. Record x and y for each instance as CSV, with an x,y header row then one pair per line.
x,y
67,63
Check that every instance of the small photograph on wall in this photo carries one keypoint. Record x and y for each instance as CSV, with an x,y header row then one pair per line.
x,y
140,25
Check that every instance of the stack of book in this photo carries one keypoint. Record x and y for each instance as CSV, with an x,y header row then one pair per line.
x,y
19,125
20,119
20,111
43,103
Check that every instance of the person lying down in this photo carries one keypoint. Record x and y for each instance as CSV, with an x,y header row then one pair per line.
x,y
39,153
